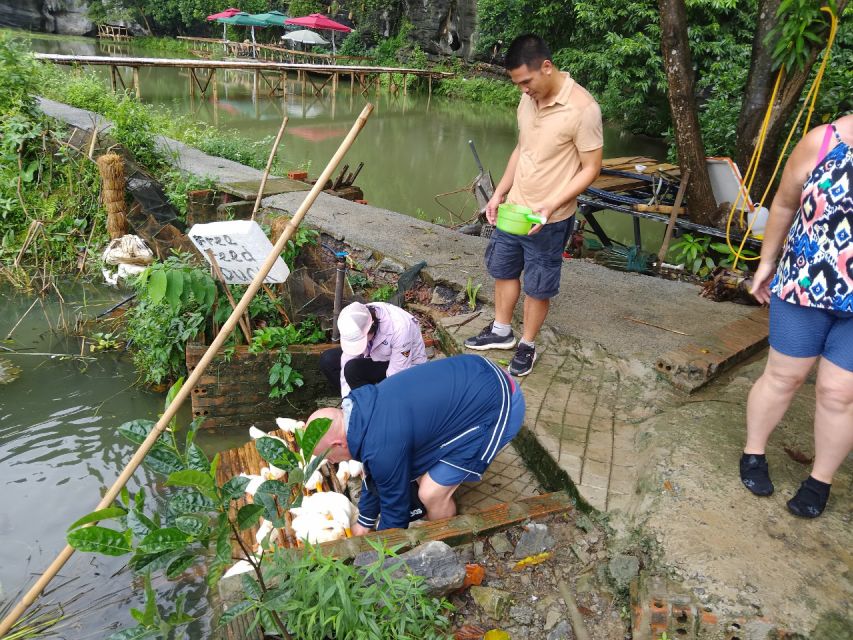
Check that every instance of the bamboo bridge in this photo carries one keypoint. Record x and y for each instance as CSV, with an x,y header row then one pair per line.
x,y
274,75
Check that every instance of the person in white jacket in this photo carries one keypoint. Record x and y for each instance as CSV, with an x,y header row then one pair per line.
x,y
377,340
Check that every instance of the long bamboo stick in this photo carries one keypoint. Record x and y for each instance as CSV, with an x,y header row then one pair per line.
x,y
268,167
193,378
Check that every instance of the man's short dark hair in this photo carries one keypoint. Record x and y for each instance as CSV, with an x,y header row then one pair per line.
x,y
529,50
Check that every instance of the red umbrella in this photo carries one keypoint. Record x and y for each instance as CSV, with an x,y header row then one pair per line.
x,y
321,22
318,21
223,14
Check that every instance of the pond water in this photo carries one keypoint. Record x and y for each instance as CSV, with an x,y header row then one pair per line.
x,y
59,448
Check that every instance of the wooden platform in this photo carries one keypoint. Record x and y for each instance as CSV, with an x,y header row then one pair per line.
x,y
629,163
248,189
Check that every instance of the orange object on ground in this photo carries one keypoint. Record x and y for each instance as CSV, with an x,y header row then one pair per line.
x,y
474,574
297,175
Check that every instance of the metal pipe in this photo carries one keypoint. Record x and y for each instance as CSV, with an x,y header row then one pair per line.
x,y
340,275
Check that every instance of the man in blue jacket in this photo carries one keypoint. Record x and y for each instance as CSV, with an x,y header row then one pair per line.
x,y
440,424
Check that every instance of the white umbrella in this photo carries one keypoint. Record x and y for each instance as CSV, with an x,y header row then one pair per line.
x,y
305,36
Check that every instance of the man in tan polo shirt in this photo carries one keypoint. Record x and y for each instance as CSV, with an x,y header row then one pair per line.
x,y
558,155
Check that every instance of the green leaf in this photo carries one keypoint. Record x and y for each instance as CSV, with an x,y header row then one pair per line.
x,y
157,283
193,478
276,452
166,539
196,459
151,615
163,460
269,493
174,288
178,566
235,611
173,391
193,524
251,586
235,488
315,430
97,539
139,523
125,496
135,633
97,516
179,617
248,516
190,502
136,430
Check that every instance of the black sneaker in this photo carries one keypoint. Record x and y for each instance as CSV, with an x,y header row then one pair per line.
x,y
486,340
810,500
755,474
522,362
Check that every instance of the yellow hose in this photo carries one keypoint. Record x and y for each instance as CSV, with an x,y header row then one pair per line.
x,y
752,169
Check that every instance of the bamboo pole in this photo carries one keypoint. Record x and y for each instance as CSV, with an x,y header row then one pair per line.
x,y
667,235
193,378
269,166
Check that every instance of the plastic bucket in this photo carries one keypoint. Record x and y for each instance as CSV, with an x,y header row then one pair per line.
x,y
515,219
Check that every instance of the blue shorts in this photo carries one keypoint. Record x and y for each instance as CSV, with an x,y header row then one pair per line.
x,y
449,474
807,332
540,256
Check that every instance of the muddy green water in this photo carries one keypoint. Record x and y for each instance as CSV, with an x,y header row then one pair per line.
x,y
58,446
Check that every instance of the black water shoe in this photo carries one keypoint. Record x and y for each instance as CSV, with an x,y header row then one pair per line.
x,y
810,500
755,475
486,340
522,362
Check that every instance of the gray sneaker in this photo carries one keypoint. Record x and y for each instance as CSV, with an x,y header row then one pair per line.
x,y
522,362
486,340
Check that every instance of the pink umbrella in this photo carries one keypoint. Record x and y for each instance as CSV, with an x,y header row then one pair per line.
x,y
320,22
223,14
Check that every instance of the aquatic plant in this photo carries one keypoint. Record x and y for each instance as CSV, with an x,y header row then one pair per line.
x,y
297,595
471,291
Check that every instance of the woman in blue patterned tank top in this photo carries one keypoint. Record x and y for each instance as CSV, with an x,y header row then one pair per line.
x,y
810,294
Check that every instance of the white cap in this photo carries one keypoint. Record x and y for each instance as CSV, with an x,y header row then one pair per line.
x,y
354,324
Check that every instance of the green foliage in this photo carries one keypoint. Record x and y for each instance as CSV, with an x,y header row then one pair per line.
x,y
194,520
302,237
304,7
283,378
499,21
358,281
692,252
800,26
471,291
484,90
353,45
177,184
174,300
18,80
383,293
728,255
321,597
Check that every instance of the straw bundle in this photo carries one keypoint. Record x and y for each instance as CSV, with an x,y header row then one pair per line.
x,y
277,227
111,168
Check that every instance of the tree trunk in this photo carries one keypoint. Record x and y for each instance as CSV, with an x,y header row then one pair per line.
x,y
682,105
759,87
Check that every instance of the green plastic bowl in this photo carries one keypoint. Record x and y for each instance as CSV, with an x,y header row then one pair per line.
x,y
515,219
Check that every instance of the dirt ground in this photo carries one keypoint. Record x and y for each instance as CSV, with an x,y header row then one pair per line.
x,y
578,556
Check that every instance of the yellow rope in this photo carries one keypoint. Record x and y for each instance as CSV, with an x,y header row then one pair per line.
x,y
752,169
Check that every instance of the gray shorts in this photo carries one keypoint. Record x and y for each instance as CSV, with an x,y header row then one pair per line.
x,y
539,256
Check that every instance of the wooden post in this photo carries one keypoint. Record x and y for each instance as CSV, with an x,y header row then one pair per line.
x,y
405,84
429,86
192,82
667,236
215,87
113,77
352,82
243,320
136,83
